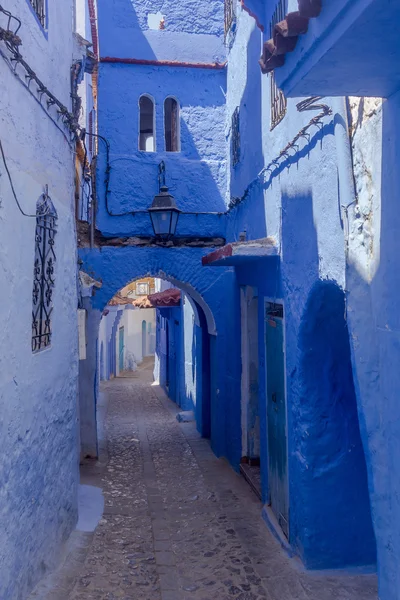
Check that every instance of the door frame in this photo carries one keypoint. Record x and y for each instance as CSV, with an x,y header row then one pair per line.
x,y
248,294
268,299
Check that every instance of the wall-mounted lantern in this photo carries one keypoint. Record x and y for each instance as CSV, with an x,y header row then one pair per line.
x,y
164,213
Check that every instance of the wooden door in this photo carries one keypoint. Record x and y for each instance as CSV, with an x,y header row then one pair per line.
x,y
276,413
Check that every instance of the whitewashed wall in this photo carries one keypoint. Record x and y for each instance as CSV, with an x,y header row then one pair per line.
x,y
132,323
38,393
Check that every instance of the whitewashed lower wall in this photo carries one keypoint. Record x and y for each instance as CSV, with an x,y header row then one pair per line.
x,y
38,392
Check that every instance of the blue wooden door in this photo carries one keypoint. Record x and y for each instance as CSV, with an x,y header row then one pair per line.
x,y
276,412
121,348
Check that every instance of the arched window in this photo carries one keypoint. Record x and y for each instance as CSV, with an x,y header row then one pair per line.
x,y
171,125
147,135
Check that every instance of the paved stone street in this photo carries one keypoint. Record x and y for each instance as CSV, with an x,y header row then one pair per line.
x,y
178,523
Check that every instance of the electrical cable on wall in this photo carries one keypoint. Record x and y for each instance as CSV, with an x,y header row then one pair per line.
x,y
44,195
13,42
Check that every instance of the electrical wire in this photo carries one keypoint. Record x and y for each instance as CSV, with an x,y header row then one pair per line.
x,y
45,195
6,60
12,185
12,43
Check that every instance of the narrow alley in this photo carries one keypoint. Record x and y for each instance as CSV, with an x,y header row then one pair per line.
x,y
178,523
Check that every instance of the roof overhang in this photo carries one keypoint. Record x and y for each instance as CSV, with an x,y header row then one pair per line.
x,y
167,299
351,49
237,253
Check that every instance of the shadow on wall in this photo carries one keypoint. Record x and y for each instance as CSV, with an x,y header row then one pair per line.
x,y
374,317
330,518
120,18
206,19
196,176
328,435
252,157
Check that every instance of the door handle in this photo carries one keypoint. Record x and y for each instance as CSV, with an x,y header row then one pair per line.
x,y
274,398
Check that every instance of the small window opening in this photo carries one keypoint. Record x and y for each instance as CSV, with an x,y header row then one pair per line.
x,y
147,125
229,14
171,125
278,99
39,6
156,21
235,140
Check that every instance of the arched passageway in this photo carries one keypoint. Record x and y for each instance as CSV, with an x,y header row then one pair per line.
x,y
168,327
189,345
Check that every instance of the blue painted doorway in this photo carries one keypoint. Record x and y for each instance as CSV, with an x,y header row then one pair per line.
x,y
121,348
276,414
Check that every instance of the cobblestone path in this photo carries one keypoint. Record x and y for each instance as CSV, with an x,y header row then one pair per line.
x,y
178,523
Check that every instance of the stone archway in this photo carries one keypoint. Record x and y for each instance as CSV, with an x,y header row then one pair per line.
x,y
216,295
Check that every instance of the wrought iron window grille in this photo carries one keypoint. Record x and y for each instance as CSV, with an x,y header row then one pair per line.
x,y
39,6
278,98
43,273
229,14
235,139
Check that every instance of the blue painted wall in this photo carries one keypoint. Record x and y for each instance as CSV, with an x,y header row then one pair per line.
x,y
193,31
197,174
218,298
297,203
373,292
182,356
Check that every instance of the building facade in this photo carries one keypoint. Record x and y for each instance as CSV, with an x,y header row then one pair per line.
x,y
39,360
127,332
329,59
259,254
161,110
280,332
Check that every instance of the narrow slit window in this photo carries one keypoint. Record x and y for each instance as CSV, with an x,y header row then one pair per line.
x,y
278,99
171,125
39,6
235,140
229,14
43,274
147,124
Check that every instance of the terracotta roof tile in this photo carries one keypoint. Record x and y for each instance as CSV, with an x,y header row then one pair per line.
x,y
286,33
166,299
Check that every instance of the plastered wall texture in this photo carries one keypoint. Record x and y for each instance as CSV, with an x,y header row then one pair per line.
x,y
184,350
373,284
38,393
299,206
132,322
195,176
195,39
